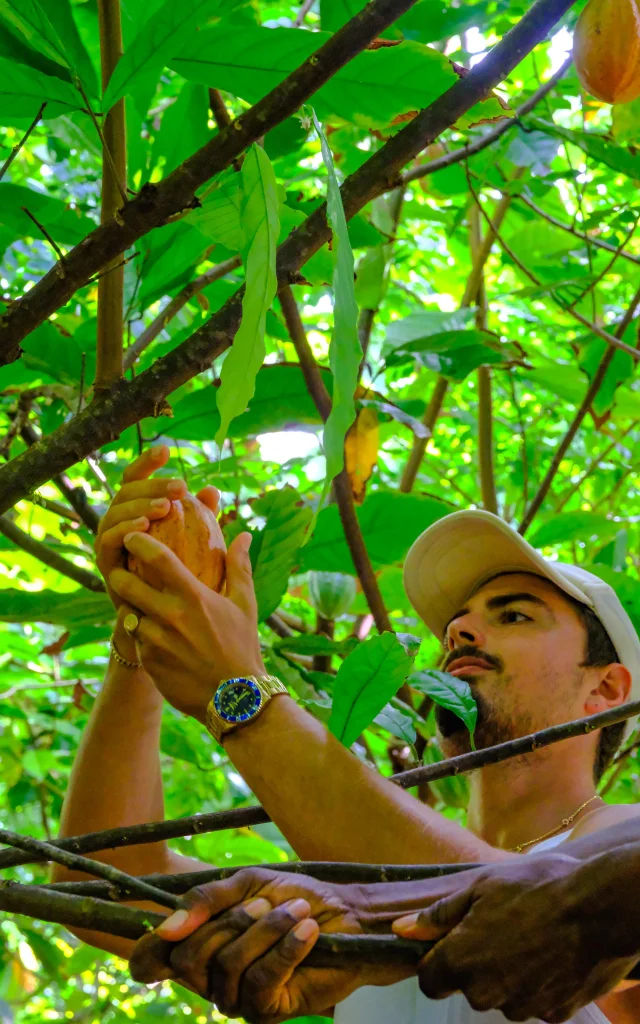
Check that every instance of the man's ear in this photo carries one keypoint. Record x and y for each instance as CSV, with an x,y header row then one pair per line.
x,y
612,687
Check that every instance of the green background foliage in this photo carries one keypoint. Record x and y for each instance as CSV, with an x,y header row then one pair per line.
x,y
570,223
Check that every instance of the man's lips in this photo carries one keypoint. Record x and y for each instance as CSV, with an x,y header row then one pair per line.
x,y
468,665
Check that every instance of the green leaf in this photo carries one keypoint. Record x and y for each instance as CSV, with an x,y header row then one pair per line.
x,y
175,265
371,276
390,522
312,643
219,216
63,224
454,354
364,684
396,723
621,369
275,548
345,351
626,587
61,18
595,146
449,692
184,128
371,90
578,525
22,91
261,227
77,608
401,333
164,33
29,19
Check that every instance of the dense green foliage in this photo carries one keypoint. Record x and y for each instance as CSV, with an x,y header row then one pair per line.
x,y
567,243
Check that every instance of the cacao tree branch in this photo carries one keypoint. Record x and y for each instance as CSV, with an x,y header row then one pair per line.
x,y
48,556
157,202
199,824
109,332
76,496
136,886
485,404
126,402
18,146
597,243
173,307
576,422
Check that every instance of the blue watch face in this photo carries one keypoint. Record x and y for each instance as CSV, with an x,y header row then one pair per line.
x,y
237,700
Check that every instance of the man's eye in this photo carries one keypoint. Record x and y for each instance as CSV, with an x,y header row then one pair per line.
x,y
511,615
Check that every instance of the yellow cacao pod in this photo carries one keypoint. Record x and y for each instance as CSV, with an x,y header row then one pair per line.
x,y
606,50
191,530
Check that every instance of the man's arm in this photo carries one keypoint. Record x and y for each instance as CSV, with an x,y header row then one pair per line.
x,y
328,804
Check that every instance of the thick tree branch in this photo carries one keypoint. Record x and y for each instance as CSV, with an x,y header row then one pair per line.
x,y
173,307
136,886
576,422
114,184
48,556
128,401
155,203
198,824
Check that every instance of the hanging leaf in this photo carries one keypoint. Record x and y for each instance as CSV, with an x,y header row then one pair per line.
x,y
29,19
275,548
366,681
220,214
261,227
60,15
361,451
163,34
449,692
398,724
345,351
23,90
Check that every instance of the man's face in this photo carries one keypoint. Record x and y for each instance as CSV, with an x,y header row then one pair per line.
x,y
529,645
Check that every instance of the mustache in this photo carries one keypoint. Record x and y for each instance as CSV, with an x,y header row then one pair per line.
x,y
469,651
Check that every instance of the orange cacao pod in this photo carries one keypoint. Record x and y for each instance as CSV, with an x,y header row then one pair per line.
x,y
191,530
606,49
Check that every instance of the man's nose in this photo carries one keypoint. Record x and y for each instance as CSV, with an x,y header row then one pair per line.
x,y
466,629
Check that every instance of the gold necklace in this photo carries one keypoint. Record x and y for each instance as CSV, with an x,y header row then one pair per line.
x,y
565,822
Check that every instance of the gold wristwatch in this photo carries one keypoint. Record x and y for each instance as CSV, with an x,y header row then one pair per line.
x,y
238,701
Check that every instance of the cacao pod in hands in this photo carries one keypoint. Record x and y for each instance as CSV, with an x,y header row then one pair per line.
x,y
606,49
192,532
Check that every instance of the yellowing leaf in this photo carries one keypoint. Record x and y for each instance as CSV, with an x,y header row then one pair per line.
x,y
361,451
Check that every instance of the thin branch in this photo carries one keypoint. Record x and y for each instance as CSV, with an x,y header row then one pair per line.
x,y
302,13
52,685
128,401
56,507
341,483
583,236
523,436
457,155
76,496
43,231
485,404
419,445
222,117
593,464
198,824
603,273
75,862
49,557
173,307
367,316
574,426
155,203
18,146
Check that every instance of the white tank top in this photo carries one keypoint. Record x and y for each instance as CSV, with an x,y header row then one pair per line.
x,y
404,1003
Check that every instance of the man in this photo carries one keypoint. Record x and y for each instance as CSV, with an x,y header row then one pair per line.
x,y
519,629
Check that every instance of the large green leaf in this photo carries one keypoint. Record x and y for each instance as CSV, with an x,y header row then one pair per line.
x,y
275,548
597,147
47,352
390,523
22,91
449,692
163,34
32,22
261,227
454,354
281,400
401,333
366,681
63,224
621,369
373,88
78,608
626,587
345,351
578,525
184,128
174,265
219,215
61,18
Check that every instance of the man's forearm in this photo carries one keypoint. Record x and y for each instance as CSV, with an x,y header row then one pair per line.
x,y
331,806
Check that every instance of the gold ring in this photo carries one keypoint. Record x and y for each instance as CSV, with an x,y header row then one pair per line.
x,y
131,623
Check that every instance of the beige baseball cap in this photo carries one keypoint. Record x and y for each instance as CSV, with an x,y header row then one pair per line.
x,y
455,556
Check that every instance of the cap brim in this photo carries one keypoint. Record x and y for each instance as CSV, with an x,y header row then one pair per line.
x,y
459,553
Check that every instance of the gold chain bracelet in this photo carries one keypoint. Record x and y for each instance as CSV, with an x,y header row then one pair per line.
x,y
120,659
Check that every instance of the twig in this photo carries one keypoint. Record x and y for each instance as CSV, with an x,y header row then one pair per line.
x,y
49,557
593,465
419,445
574,426
341,483
302,13
75,862
109,270
457,155
43,231
106,151
222,117
485,404
157,325
125,402
56,507
523,436
583,236
198,824
18,146
603,273
62,683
